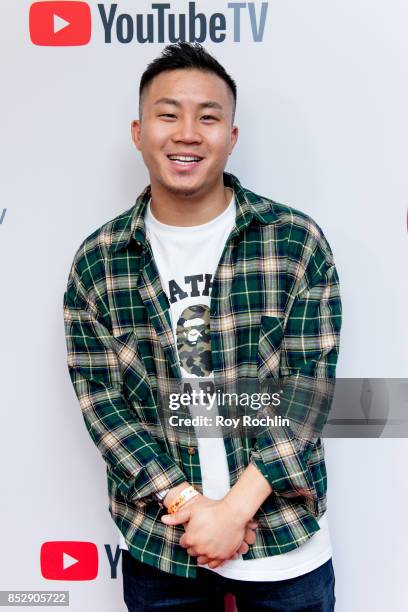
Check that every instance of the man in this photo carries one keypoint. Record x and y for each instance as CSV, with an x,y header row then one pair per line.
x,y
202,279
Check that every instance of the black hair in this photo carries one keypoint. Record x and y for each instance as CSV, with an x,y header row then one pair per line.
x,y
184,55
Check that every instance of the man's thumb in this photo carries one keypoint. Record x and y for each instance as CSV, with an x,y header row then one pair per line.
x,y
182,516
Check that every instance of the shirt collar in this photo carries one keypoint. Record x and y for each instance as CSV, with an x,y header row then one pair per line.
x,y
250,206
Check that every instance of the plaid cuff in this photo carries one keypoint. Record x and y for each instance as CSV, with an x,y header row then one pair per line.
x,y
159,473
284,468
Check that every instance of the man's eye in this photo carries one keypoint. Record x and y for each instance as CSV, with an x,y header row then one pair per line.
x,y
204,116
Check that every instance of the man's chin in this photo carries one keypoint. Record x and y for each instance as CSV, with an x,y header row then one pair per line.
x,y
182,188
183,191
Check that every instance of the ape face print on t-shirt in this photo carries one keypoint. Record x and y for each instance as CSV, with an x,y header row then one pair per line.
x,y
193,340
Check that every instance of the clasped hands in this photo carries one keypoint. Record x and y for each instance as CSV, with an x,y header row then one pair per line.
x,y
214,530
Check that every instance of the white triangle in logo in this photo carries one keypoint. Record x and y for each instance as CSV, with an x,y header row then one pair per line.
x,y
60,23
67,561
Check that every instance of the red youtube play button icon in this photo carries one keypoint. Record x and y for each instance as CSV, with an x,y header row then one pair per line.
x,y
60,24
69,560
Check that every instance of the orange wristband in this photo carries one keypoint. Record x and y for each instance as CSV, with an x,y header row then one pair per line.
x,y
186,494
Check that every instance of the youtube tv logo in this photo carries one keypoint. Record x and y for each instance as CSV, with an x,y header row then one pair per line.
x,y
69,560
70,23
60,24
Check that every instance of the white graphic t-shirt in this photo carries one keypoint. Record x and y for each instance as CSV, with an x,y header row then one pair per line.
x,y
187,259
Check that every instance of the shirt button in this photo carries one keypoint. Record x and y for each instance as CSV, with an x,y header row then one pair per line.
x,y
191,450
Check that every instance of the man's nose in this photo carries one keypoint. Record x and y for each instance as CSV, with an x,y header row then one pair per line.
x,y
187,131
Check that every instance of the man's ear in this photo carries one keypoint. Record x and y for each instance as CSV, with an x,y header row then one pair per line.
x,y
234,137
135,128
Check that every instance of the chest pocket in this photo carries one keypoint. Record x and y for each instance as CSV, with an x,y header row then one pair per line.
x,y
136,385
269,347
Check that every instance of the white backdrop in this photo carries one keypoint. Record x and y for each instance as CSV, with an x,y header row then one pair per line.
x,y
322,102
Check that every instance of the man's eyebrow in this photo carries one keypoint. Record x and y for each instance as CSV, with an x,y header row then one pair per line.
x,y
206,104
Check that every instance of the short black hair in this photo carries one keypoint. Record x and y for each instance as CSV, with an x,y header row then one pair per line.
x,y
184,55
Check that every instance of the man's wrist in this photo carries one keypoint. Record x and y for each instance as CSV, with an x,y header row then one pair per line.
x,y
173,494
248,493
234,507
162,494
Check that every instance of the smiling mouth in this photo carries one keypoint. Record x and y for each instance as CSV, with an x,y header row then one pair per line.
x,y
178,162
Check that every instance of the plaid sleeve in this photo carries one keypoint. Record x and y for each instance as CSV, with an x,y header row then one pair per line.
x,y
135,460
308,356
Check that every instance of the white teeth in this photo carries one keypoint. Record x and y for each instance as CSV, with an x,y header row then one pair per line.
x,y
183,158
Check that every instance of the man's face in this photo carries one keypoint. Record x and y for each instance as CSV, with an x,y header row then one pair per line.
x,y
186,128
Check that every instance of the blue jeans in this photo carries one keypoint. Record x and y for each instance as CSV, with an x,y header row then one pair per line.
x,y
147,588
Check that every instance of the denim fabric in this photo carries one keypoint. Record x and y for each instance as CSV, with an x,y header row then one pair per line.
x,y
147,588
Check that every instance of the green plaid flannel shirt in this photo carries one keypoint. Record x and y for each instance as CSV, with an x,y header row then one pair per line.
x,y
275,313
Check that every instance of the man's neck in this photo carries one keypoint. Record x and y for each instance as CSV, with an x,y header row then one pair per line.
x,y
189,210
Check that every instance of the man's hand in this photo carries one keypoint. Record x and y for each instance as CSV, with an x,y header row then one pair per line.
x,y
214,530
249,538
